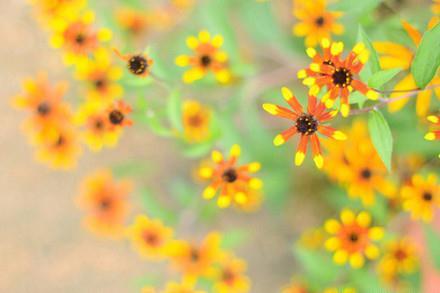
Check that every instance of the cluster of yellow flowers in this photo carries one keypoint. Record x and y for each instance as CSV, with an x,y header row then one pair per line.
x,y
105,200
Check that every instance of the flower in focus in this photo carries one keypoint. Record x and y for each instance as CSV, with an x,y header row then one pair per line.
x,y
338,75
233,181
132,20
137,64
307,125
196,260
315,22
229,277
398,56
207,58
105,201
117,115
196,121
421,197
150,237
399,259
356,165
98,132
435,134
101,76
352,238
78,38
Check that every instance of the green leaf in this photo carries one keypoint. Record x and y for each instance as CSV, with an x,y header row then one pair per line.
x,y
378,79
373,64
427,58
381,136
433,239
174,110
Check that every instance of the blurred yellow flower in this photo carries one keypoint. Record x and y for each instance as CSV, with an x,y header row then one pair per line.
x,y
196,121
101,76
399,259
134,21
185,287
295,287
150,237
312,238
398,56
51,11
315,21
352,238
435,6
231,180
105,201
421,197
230,276
343,290
207,58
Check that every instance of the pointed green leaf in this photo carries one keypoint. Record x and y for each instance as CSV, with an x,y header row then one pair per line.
x,y
381,136
378,79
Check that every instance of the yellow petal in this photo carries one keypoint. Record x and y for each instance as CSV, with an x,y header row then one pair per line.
x,y
235,150
376,233
357,260
364,219
287,93
209,192
299,158
372,252
347,216
332,244
216,156
223,201
278,140
340,257
332,226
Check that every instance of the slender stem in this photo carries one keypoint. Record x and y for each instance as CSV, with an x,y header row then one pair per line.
x,y
160,81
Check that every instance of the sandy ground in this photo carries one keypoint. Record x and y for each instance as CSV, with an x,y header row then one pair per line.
x,y
43,247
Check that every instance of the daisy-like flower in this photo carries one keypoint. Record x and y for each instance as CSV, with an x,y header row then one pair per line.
x,y
137,64
356,165
78,38
133,21
233,181
97,132
60,148
105,201
196,121
307,124
101,76
315,21
195,260
117,115
207,57
150,237
393,55
421,197
230,276
338,75
399,259
352,238
434,134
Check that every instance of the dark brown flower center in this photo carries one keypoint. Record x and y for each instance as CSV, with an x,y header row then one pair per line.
x,y
116,117
306,124
194,255
320,21
354,237
137,65
427,196
366,174
342,77
100,83
105,203
80,39
228,276
230,175
99,124
151,238
205,60
60,141
43,109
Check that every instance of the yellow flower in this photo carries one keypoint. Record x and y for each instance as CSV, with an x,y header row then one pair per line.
x,y
51,11
196,121
150,237
132,20
356,165
101,76
315,22
343,290
207,58
398,56
352,238
435,6
229,277
105,201
196,260
78,38
295,287
98,132
233,181
435,133
421,197
312,238
399,259
185,287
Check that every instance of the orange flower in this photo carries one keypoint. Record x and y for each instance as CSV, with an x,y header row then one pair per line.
x,y
307,125
137,64
196,260
229,277
132,20
233,181
196,121
117,115
338,75
105,201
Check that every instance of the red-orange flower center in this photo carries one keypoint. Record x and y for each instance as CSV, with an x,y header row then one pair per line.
x,y
353,237
306,124
400,255
228,276
151,238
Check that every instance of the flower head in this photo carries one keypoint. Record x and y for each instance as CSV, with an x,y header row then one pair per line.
x,y
132,20
307,124
137,64
338,75
352,238
105,201
150,237
233,181
230,276
51,11
196,121
207,57
117,115
435,6
315,21
421,197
